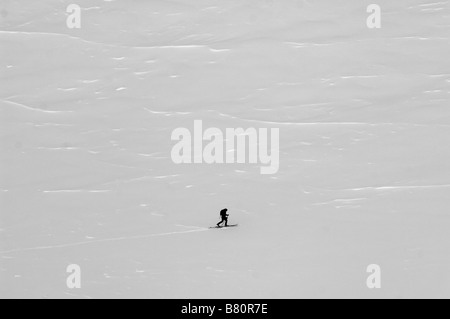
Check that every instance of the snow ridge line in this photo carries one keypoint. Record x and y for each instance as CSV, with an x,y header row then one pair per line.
x,y
175,46
29,108
381,188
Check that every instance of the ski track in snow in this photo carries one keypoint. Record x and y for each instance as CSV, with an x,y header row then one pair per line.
x,y
106,240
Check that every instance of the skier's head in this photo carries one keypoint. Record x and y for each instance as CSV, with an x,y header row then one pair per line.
x,y
224,210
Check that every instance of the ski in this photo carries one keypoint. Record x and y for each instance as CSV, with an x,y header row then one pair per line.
x,y
218,227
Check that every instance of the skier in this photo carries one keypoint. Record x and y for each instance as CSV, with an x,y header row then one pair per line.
x,y
224,216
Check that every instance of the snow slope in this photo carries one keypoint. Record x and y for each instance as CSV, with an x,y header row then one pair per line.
x,y
85,170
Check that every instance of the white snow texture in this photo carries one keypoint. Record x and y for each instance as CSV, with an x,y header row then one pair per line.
x,y
86,175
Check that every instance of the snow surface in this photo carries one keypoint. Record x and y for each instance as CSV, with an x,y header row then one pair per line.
x,y
86,175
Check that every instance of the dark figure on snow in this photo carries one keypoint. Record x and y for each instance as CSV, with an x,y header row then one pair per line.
x,y
224,216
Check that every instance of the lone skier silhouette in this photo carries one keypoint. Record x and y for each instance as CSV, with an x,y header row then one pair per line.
x,y
224,216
